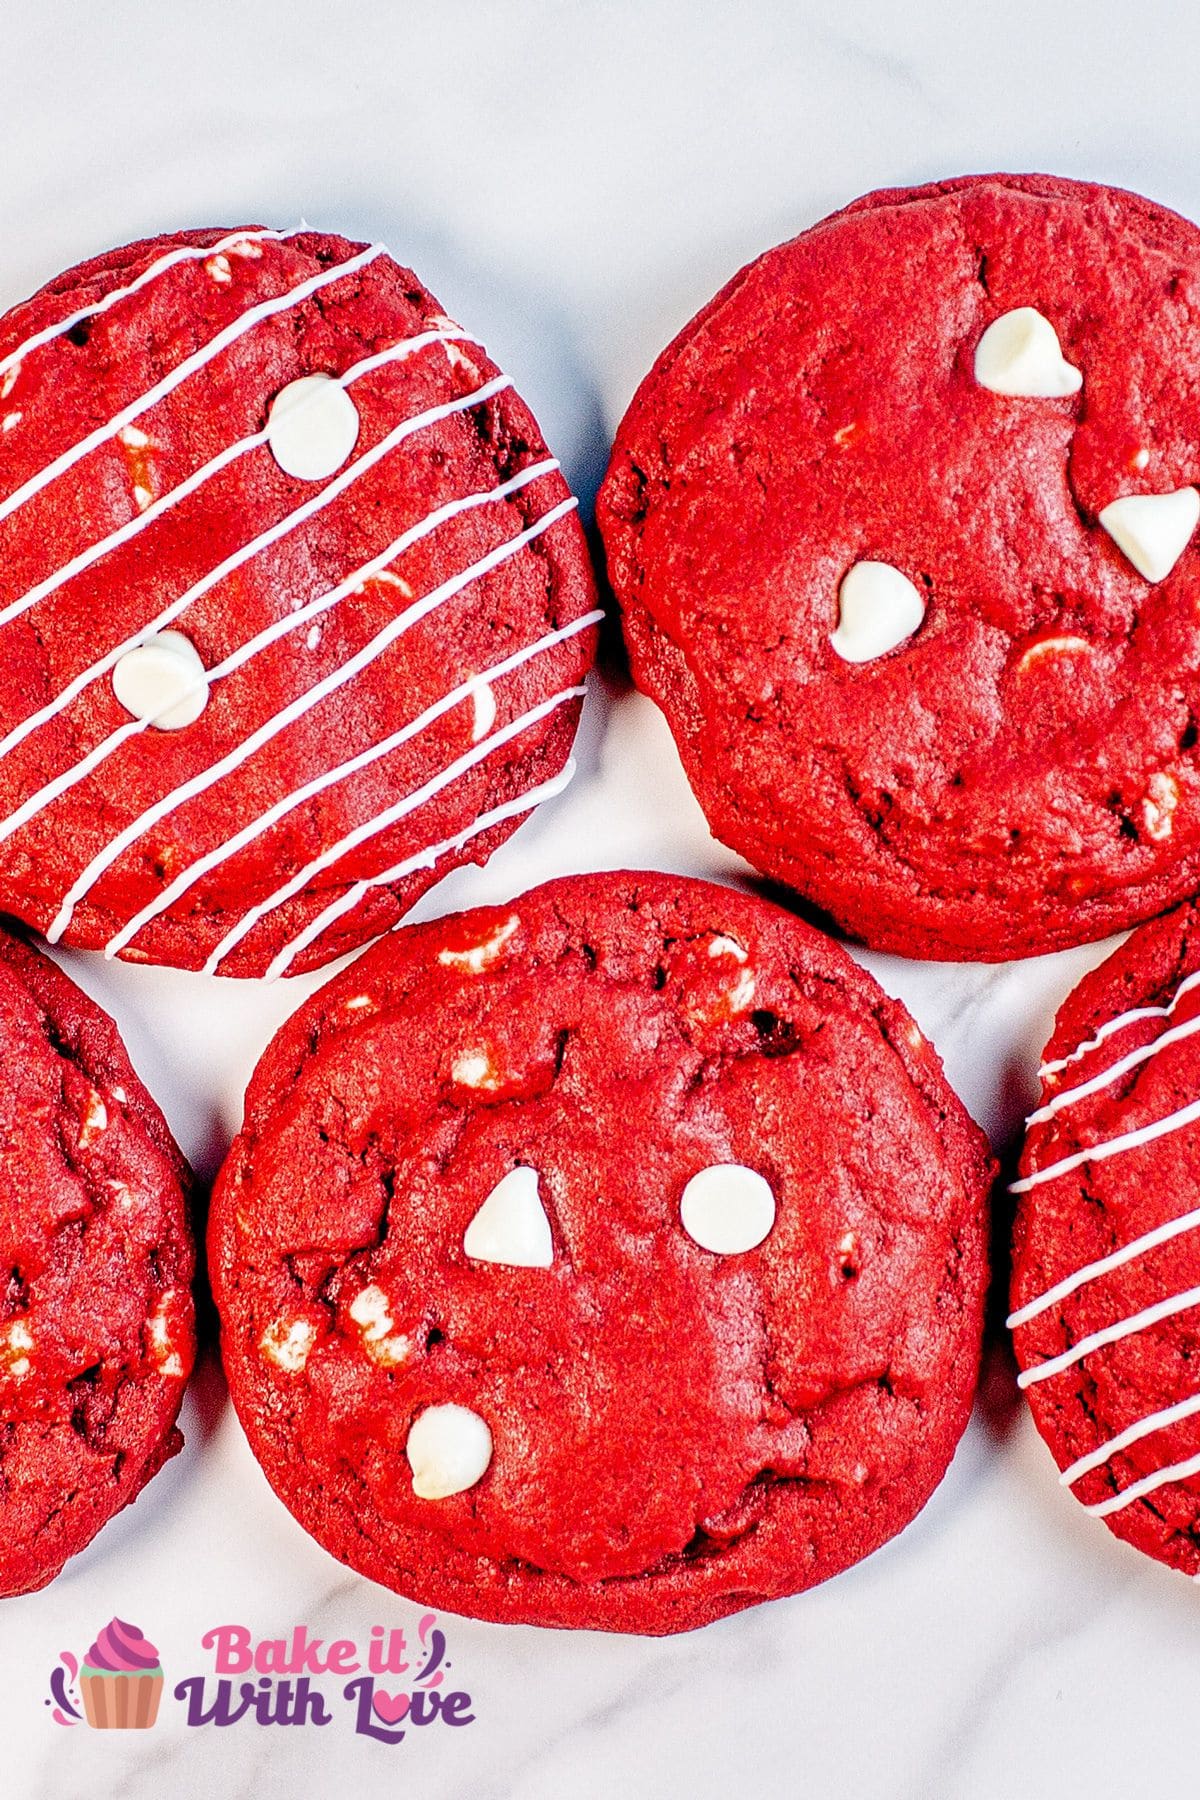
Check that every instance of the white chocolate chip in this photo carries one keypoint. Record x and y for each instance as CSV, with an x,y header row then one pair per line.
x,y
385,578
485,710
370,1312
312,427
458,359
162,681
369,1309
726,946
314,637
218,268
1159,804
10,420
1019,354
511,1226
165,1354
94,1121
478,957
288,1342
727,1209
1153,530
475,1069
1052,647
9,381
134,438
878,608
15,1341
741,994
449,1449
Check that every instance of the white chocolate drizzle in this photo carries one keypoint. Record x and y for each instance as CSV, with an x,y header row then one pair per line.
x,y
1123,1065
391,816
295,710
1132,1434
209,470
299,618
1121,1020
189,253
255,315
424,859
1104,1265
236,560
1145,1318
298,796
1129,1326
1127,1140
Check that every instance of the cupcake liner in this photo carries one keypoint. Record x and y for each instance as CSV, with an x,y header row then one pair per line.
x,y
127,1702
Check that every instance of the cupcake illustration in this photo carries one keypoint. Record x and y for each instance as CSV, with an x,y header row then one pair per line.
x,y
121,1679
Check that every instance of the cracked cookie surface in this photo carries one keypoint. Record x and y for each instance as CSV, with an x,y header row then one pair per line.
x,y
96,1265
456,1213
1013,767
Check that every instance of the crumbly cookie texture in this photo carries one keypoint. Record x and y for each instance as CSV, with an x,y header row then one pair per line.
x,y
294,605
613,1259
96,1264
903,526
1106,1260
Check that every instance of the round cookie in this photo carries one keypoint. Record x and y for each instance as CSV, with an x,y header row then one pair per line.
x,y
902,525
294,605
1106,1262
611,1259
96,1263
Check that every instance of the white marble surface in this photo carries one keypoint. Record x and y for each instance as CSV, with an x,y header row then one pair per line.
x,y
573,180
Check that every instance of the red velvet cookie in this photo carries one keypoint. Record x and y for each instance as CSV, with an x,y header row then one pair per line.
x,y
96,1262
902,525
294,606
613,1259
1106,1268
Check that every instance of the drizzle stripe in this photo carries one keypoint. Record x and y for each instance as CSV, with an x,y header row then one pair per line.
x,y
239,557
297,708
1149,1240
271,634
382,821
193,253
1128,1140
1111,1334
1119,1023
424,859
1181,1471
102,547
298,796
1121,1067
1155,1421
266,309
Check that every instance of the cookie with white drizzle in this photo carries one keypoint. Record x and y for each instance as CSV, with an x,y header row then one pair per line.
x,y
1106,1265
903,527
614,1258
294,608
96,1263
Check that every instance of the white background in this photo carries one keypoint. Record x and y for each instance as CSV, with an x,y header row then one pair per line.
x,y
573,180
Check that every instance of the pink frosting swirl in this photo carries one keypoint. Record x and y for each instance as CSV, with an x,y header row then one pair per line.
x,y
121,1649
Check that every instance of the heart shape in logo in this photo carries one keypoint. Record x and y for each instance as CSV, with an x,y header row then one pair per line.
x,y
390,1707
